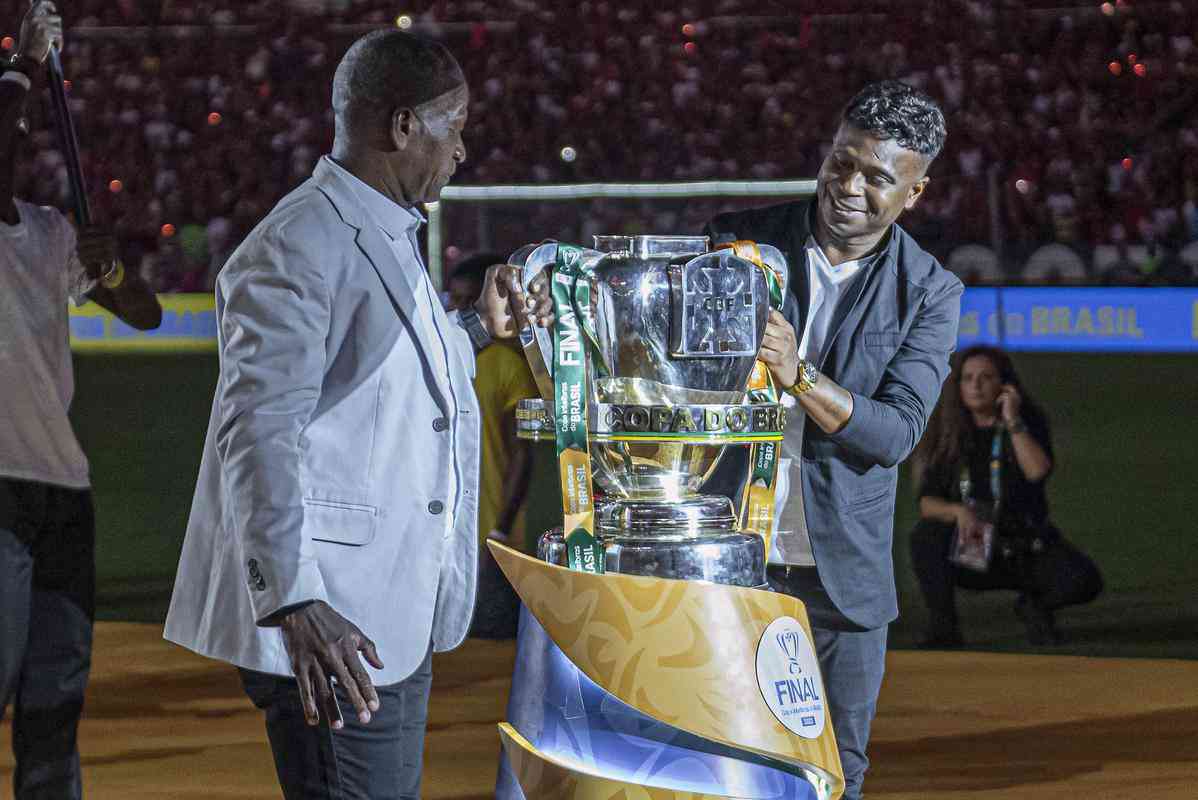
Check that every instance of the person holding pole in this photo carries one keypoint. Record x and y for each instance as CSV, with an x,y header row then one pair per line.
x,y
47,526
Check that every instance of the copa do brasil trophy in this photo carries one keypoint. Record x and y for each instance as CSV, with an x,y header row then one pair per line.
x,y
651,661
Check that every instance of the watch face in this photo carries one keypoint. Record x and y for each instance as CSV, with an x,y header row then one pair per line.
x,y
807,375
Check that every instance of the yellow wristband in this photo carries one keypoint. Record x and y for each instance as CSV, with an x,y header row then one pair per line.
x,y
114,277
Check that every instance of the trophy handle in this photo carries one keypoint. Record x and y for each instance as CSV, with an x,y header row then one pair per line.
x,y
773,259
532,260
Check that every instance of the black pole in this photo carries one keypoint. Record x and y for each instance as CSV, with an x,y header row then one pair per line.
x,y
67,140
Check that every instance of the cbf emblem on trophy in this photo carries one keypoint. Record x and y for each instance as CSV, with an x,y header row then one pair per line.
x,y
651,655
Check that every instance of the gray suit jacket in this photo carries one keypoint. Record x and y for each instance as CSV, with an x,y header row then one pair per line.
x,y
324,474
889,344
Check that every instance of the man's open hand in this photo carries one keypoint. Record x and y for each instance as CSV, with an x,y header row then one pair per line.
x,y
323,644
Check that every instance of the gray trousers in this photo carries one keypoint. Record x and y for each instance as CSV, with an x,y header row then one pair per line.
x,y
381,760
852,659
47,605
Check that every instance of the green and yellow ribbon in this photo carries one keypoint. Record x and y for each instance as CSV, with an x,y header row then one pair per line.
x,y
757,501
571,291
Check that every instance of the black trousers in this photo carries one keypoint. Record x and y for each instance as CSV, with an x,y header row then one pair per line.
x,y
47,606
496,605
1060,575
381,760
852,660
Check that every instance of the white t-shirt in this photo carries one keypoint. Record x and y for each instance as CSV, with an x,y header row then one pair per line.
x,y
826,284
39,271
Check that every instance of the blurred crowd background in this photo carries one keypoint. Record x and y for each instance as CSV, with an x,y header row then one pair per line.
x,y
1073,127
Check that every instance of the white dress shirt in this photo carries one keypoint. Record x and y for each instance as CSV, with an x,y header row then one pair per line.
x,y
791,541
399,226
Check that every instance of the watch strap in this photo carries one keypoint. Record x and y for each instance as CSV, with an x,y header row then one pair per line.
x,y
475,328
805,380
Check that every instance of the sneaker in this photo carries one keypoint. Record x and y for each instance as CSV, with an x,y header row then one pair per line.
x,y
1041,627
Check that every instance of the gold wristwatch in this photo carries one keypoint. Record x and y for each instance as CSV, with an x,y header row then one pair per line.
x,y
807,377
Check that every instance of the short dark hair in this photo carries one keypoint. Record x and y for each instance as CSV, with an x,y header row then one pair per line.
x,y
894,110
390,69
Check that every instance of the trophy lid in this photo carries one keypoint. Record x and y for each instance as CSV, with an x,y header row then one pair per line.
x,y
703,513
652,246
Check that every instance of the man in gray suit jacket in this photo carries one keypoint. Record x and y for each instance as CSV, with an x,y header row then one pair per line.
x,y
863,344
335,512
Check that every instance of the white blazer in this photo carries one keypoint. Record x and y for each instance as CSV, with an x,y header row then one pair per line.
x,y
324,474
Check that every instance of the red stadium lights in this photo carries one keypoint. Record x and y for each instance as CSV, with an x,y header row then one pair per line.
x,y
1141,70
690,48
8,43
1127,164
115,186
167,231
214,118
1132,58
688,29
1115,67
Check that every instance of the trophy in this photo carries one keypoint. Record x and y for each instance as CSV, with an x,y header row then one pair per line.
x,y
648,654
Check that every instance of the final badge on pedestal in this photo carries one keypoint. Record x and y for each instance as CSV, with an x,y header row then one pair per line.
x,y
652,662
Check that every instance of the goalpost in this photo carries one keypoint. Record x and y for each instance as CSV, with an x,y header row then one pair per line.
x,y
592,191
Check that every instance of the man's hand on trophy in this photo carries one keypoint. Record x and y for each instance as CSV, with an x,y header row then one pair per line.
x,y
40,30
504,307
780,350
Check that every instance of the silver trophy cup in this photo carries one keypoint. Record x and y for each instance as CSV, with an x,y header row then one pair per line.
x,y
677,330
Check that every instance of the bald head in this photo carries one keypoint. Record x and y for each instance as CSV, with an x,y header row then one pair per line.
x,y
388,70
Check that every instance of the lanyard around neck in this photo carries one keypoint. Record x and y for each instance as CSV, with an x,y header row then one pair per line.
x,y
995,472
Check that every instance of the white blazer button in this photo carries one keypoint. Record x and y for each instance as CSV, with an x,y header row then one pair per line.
x,y
436,507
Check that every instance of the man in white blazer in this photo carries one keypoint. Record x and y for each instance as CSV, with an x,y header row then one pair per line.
x,y
335,511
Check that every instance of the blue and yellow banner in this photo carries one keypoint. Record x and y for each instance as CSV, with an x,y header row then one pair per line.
x,y
1049,319
188,326
1093,320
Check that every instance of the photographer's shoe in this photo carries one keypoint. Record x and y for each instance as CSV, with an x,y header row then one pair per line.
x,y
1041,627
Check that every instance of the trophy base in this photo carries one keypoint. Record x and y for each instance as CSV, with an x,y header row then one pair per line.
x,y
690,540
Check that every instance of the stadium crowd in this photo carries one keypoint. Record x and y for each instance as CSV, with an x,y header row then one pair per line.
x,y
1074,126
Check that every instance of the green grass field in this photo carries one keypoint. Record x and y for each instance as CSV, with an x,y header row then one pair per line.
x,y
1125,430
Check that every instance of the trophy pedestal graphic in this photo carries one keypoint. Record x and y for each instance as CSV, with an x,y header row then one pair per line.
x,y
651,658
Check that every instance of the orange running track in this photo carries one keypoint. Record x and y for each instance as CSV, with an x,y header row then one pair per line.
x,y
164,723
